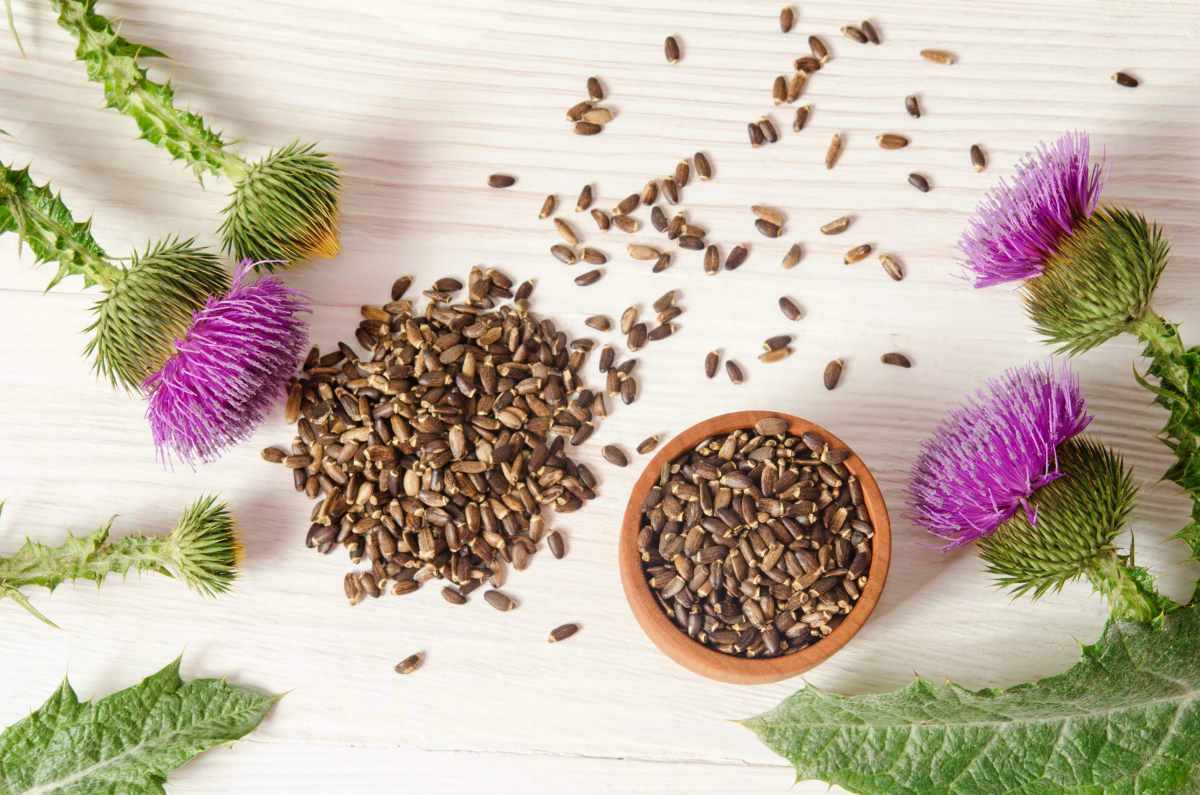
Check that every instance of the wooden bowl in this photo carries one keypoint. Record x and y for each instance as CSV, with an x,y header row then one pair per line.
x,y
691,654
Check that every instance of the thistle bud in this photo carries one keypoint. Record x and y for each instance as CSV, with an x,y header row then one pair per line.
x,y
204,548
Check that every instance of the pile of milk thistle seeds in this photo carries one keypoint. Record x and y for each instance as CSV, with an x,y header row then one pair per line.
x,y
434,453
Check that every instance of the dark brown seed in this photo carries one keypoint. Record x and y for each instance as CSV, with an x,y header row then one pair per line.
x,y
563,632
978,159
737,257
789,308
779,90
576,111
626,223
691,242
566,232
501,181
599,322
664,301
661,332
897,359
771,426
594,89
658,219
807,64
912,106
768,130
614,455
854,34
836,226
711,360
801,118
671,49
453,596
767,228
627,205
607,354
833,373
869,30
857,254
793,255
787,18
818,48
629,390
498,600
757,138
670,189
734,371
662,263
892,266
587,128
410,663
637,337
593,256
590,277
919,182
703,165
273,455
833,152
1125,79
650,193
564,254
548,205
557,544
647,444
712,260
938,56
776,342
601,218
585,199
891,141
683,173
399,288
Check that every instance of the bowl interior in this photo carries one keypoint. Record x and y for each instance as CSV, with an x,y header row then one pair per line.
x,y
673,641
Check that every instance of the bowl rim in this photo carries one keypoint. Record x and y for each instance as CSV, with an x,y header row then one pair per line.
x,y
691,654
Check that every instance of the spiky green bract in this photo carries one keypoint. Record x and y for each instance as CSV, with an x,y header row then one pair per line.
x,y
1125,719
203,550
149,305
285,208
127,742
44,223
1100,281
113,61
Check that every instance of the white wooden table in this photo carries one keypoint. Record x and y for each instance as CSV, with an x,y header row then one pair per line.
x,y
419,102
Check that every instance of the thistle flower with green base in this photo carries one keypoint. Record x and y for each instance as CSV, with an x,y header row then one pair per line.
x,y
203,550
283,208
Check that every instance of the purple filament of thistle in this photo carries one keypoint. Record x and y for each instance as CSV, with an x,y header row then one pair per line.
x,y
989,456
228,370
1018,226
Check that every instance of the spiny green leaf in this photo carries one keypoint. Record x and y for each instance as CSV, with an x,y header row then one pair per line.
x,y
127,742
1125,719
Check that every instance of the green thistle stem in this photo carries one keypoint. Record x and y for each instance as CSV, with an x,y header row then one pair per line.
x,y
113,61
1163,346
1128,589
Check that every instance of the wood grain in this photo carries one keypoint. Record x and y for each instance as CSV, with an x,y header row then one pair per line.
x,y
419,102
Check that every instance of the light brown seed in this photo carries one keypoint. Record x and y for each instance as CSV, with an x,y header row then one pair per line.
x,y
629,318
650,193
768,130
590,277
836,226
919,182
767,229
792,257
593,256
664,301
662,263
600,116
614,455
801,117
683,173
576,111
585,199
273,455
978,159
896,359
557,544
501,180
768,213
771,426
410,663
711,360
892,266
564,254
627,205
795,85
1125,79
703,165
854,34
737,257
833,373
787,18
789,308
913,106
938,56
594,89
563,632
757,139
734,371
548,205
587,128
891,141
834,151
857,254
626,223
499,600
671,49
712,260
869,30
818,48
647,444
599,322
566,232
601,218
779,90
643,252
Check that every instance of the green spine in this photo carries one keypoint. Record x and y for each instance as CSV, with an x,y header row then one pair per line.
x,y
112,61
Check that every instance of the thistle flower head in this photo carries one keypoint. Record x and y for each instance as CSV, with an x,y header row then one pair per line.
x,y
989,456
1018,226
1078,518
284,208
229,368
1099,282
204,547
148,305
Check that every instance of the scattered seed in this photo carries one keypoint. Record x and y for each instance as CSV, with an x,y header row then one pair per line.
x,y
768,130
767,229
913,106
768,213
734,371
593,256
563,632
736,258
576,111
600,116
703,166
453,596
626,223
650,193
774,355
671,49
585,199
637,337
594,89
664,301
757,139
896,359
662,263
919,182
787,18
629,318
978,159
819,50
548,206
857,254
938,56
564,254
691,242
641,252
779,90
833,152
891,141
627,205
400,287
410,663
614,455
795,86
801,118
712,260
854,34
778,341
273,454
1125,79
792,257
589,277
587,128
501,181
647,444
658,218
566,232
789,308
499,600
836,226
771,426
557,544
711,360
892,266
629,390
833,373
598,322
869,30
607,354
670,189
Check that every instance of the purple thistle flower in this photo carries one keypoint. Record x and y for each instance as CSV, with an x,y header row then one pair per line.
x,y
990,455
228,370
1017,226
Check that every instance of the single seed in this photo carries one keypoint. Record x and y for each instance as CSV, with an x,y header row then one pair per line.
x,y
273,455
807,64
834,150
978,159
789,308
598,322
453,596
593,256
647,444
641,252
410,663
594,89
587,128
600,217
675,226
712,260
629,390
1125,79
795,85
566,232
891,141
792,257
703,166
779,90
590,277
896,359
819,50
662,263
650,193
767,229
756,137
938,56
607,354
768,213
557,544
548,205
564,254
691,242
501,180
629,318
778,341
626,223
833,373
638,335
671,49
563,632
627,205
400,287
857,254
499,600
600,116
771,426
836,226
585,199
736,258
734,371
869,29
683,173
711,360
768,130
614,455
787,18
913,106
892,266
658,218
576,111
664,301
801,118
919,182
854,34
